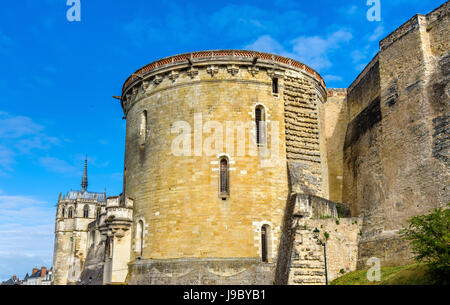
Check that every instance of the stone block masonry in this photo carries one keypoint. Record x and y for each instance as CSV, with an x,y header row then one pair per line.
x,y
379,149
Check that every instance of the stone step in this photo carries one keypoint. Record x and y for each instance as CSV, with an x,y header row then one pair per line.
x,y
307,272
309,280
307,265
308,257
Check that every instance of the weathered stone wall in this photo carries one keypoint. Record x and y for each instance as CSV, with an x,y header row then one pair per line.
x,y
364,90
335,117
304,136
396,147
204,271
71,240
92,273
308,263
301,260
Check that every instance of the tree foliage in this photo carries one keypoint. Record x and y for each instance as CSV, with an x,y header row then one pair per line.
x,y
430,241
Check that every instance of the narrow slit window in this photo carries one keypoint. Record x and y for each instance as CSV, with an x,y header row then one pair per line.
x,y
264,243
260,120
275,85
224,178
70,213
63,212
140,237
143,129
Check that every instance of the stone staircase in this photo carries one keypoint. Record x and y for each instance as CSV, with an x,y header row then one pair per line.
x,y
307,261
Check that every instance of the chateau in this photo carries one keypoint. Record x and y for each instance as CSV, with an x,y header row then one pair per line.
x,y
233,158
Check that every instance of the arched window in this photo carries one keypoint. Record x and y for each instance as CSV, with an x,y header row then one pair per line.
x,y
63,211
140,237
70,213
265,243
224,183
86,211
260,120
143,129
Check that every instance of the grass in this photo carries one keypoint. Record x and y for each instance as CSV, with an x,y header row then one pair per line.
x,y
415,274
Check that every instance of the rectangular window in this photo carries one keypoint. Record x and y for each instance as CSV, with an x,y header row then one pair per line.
x,y
275,85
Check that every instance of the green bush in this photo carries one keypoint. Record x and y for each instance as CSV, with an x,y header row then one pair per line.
x,y
430,242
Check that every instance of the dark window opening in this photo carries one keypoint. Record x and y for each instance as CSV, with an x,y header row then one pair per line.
x,y
260,125
275,85
224,178
86,212
264,244
140,238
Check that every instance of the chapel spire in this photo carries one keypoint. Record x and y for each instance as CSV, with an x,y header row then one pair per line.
x,y
84,181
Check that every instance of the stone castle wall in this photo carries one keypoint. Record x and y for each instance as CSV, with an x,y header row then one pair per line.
x,y
395,163
305,142
336,120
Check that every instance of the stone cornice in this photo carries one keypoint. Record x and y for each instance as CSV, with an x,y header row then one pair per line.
x,y
218,57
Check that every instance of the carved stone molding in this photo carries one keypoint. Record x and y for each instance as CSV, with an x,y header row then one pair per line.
x,y
233,69
192,72
275,73
157,80
173,75
212,70
253,70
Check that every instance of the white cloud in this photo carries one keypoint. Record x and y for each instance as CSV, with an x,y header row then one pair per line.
x,y
58,166
358,55
331,78
360,67
377,33
26,234
20,136
311,50
265,44
17,127
6,159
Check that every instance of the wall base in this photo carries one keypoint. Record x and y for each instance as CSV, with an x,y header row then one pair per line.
x,y
201,271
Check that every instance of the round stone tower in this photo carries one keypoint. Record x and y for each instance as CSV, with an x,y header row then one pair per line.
x,y
211,138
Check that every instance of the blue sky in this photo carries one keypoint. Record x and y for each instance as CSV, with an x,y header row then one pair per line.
x,y
57,79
